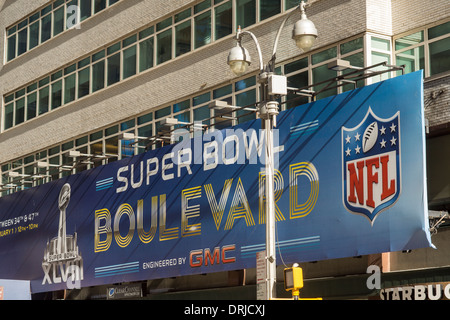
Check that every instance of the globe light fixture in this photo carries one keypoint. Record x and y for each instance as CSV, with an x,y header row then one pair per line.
x,y
304,33
239,59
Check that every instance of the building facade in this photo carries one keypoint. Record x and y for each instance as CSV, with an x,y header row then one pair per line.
x,y
75,75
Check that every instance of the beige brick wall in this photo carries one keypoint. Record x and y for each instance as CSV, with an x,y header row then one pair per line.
x,y
181,77
407,15
199,70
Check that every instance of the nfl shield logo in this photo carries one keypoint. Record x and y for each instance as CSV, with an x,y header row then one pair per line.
x,y
371,165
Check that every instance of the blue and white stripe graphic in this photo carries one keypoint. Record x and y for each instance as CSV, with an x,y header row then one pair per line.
x,y
130,267
284,246
104,184
304,127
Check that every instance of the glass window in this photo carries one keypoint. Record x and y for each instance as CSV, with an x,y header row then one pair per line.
x,y
320,74
9,116
440,56
43,100
164,46
130,40
99,5
180,106
202,113
20,93
296,65
83,63
269,8
245,12
409,40
22,24
98,76
11,30
244,83
83,82
97,56
44,81
298,81
183,38
34,17
114,48
291,3
182,15
46,28
202,29
145,118
146,32
382,44
56,94
69,88
81,141
34,35
85,9
413,59
198,100
202,6
96,135
324,55
145,131
9,98
70,69
31,105
57,3
352,45
146,54
111,130
223,20
58,21
112,148
22,41
378,57
164,24
11,47
113,69
32,87
164,112
439,30
129,62
183,117
46,10
20,111
223,91
356,60
222,117
245,99
127,124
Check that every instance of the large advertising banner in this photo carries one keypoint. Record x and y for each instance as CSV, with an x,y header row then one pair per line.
x,y
349,180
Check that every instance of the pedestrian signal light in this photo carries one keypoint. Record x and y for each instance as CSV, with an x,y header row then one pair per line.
x,y
293,280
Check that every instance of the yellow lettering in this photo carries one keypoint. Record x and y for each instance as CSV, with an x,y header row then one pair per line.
x,y
278,191
190,212
102,245
165,233
297,170
240,208
217,210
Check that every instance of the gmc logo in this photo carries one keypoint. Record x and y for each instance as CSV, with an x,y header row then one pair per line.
x,y
200,257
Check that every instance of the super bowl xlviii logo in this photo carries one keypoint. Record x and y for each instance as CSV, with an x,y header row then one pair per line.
x,y
62,260
371,171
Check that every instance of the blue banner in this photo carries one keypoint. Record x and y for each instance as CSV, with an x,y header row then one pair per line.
x,y
349,181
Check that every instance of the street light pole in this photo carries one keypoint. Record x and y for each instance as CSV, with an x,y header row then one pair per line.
x,y
304,34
